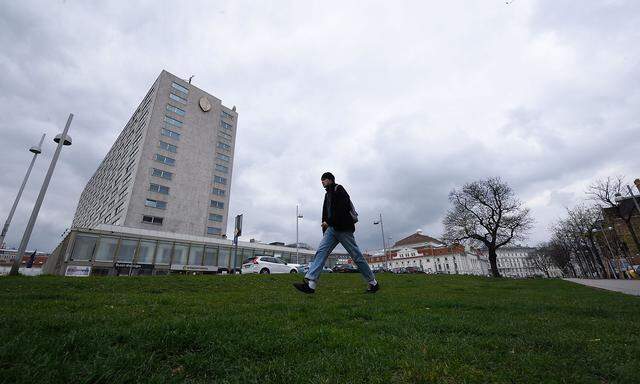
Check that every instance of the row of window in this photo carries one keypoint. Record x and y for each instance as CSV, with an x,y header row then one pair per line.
x,y
155,204
170,133
168,147
159,188
110,249
164,159
175,110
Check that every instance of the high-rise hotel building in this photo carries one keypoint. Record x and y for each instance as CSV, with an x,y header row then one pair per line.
x,y
170,168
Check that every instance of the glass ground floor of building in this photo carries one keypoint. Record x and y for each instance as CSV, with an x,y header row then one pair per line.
x,y
118,251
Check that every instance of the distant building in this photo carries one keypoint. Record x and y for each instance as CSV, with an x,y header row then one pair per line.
x,y
430,255
7,256
514,261
301,246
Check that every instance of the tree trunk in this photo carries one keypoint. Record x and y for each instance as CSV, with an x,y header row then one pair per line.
x,y
492,261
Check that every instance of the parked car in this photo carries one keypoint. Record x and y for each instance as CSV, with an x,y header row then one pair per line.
x,y
413,270
382,270
305,268
267,265
345,268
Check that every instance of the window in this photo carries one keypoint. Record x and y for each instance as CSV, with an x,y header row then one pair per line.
x,y
152,220
83,247
164,253
127,250
226,114
170,133
180,254
224,146
215,217
218,179
179,87
222,168
172,121
146,251
195,254
106,249
164,159
161,173
225,135
214,231
175,110
217,191
177,98
156,204
168,147
222,157
217,204
159,188
211,256
226,126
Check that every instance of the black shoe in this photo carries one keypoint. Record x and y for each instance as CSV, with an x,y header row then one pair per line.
x,y
373,288
304,287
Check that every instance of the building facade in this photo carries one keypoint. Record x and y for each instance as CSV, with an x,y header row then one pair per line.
x,y
116,251
515,262
431,256
170,168
28,266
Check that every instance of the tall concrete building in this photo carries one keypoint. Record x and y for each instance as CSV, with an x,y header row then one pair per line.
x,y
170,168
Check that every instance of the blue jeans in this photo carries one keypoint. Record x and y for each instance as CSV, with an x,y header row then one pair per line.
x,y
329,242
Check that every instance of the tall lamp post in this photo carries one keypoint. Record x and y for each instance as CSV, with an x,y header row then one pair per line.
x,y
36,151
298,217
62,139
384,247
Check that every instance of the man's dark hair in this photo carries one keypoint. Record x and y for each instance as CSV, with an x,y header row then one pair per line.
x,y
328,175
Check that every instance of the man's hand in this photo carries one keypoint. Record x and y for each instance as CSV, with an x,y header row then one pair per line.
x,y
324,225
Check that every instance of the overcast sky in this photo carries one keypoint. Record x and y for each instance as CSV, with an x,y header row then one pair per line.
x,y
402,101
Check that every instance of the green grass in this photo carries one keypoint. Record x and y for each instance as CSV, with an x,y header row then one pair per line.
x,y
244,329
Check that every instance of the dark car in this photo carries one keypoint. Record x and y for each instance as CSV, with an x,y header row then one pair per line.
x,y
345,268
413,270
304,268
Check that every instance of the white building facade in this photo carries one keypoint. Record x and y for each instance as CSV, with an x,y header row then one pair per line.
x,y
170,168
430,256
515,262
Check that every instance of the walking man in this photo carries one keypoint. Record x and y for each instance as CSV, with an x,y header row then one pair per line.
x,y
338,225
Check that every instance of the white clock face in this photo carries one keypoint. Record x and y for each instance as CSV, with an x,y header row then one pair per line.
x,y
205,105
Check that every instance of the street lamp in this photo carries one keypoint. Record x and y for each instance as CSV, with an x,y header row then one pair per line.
x,y
61,139
298,217
36,151
384,247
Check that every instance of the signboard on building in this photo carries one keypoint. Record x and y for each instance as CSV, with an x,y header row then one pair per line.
x,y
193,268
78,270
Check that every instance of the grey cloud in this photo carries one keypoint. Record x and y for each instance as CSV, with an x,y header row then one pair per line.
x,y
402,102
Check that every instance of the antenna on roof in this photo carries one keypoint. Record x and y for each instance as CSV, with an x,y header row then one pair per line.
x,y
191,77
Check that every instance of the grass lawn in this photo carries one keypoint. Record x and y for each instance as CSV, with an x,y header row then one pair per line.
x,y
246,329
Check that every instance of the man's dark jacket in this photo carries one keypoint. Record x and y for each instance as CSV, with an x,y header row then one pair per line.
x,y
336,207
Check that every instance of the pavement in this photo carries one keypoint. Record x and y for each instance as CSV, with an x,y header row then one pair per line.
x,y
630,287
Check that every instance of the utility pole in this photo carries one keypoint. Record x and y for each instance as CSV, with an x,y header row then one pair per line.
x,y
36,151
237,232
62,140
384,247
298,217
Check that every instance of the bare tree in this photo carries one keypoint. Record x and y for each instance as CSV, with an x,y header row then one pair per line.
x,y
603,192
486,212
542,258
